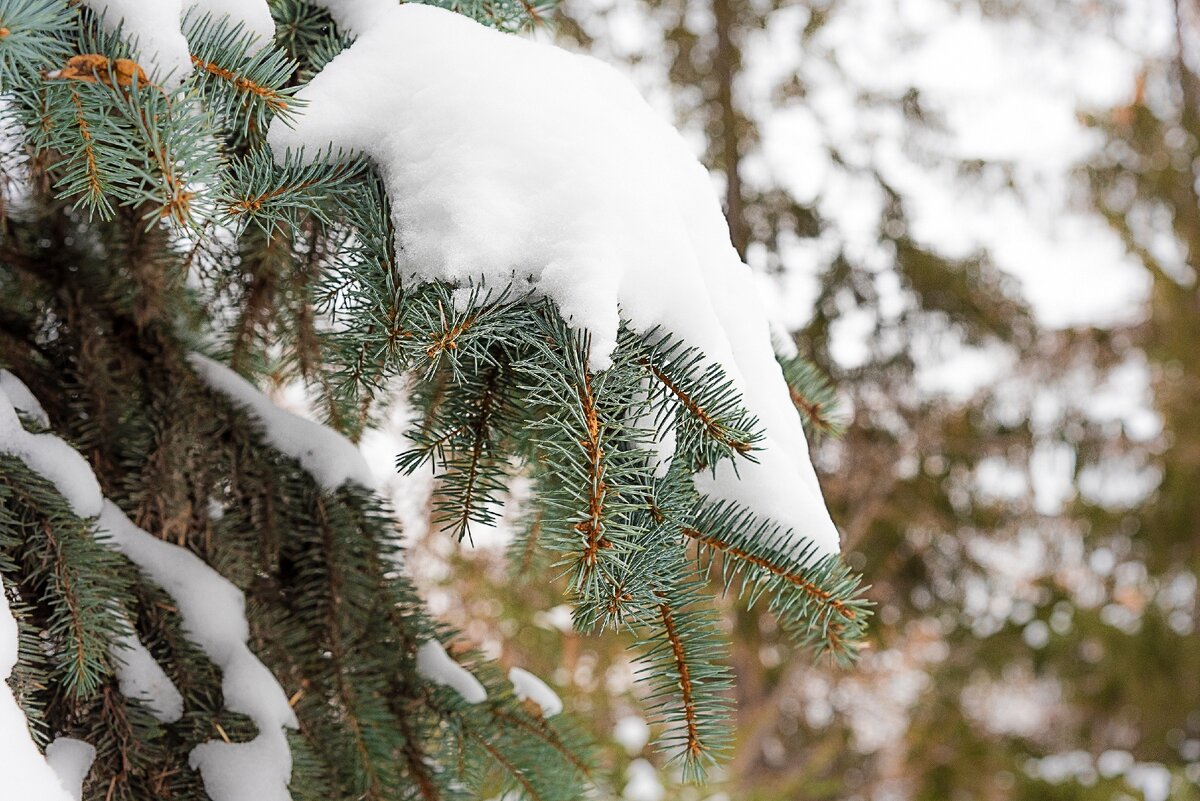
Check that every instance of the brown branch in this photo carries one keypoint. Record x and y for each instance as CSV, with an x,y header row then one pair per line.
x,y
531,542
810,409
694,745
95,186
273,98
546,734
592,529
510,767
448,338
337,651
726,65
793,577
481,426
418,769
714,429
256,202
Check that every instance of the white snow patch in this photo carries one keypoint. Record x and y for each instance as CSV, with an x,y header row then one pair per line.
x,y
22,399
529,687
214,617
330,458
632,733
1151,779
557,618
54,459
435,664
644,783
253,15
141,677
513,161
154,29
26,773
71,760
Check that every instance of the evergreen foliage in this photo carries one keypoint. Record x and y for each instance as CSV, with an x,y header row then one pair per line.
x,y
141,224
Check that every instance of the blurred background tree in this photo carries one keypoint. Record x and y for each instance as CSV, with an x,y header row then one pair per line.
x,y
998,271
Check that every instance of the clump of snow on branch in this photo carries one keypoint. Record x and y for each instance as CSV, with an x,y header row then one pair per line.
x,y
71,759
155,29
53,459
632,732
140,676
514,162
25,771
22,399
528,687
330,458
435,665
643,782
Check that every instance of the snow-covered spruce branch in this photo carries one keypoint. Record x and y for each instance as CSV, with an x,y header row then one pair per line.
x,y
397,192
212,616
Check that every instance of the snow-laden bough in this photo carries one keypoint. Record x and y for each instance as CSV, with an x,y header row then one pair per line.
x,y
511,161
214,617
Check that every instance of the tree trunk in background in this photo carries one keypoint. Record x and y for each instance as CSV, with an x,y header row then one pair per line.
x,y
726,63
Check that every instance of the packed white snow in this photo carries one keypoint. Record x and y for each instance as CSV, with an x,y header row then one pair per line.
x,y
154,29
330,458
214,617
512,161
49,456
633,733
71,759
22,399
643,782
434,664
141,677
528,687
23,770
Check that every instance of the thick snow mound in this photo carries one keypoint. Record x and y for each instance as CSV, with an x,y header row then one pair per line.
x,y
508,160
154,28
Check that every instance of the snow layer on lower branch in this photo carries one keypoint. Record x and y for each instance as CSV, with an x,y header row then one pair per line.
x,y
434,664
510,160
143,678
327,455
529,687
214,617
53,459
22,399
24,773
154,28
